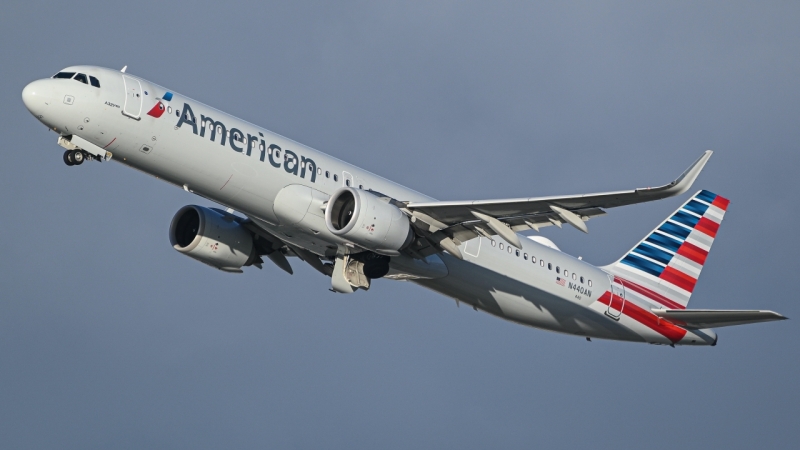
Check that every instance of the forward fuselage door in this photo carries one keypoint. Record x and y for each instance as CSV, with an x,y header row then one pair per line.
x,y
133,97
617,302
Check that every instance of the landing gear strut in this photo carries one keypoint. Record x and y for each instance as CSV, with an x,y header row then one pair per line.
x,y
74,157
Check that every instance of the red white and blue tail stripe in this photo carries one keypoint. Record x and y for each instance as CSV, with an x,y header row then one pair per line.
x,y
664,267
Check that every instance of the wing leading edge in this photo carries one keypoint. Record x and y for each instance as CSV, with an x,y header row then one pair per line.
x,y
451,213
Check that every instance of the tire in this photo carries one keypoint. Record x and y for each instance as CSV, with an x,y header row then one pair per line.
x,y
376,269
78,157
68,158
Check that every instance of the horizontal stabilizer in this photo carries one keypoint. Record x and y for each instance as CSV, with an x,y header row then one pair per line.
x,y
714,318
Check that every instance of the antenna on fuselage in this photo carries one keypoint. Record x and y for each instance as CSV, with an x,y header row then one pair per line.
x,y
124,69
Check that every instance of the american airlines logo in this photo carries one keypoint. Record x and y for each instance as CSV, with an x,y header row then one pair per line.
x,y
244,143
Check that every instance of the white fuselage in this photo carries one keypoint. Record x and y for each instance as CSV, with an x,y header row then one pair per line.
x,y
252,176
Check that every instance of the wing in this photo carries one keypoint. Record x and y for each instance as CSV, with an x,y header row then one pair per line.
x,y
710,318
464,220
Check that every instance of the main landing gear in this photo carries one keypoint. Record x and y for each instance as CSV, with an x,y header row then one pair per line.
x,y
75,157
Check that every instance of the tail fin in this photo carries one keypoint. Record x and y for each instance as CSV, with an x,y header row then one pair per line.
x,y
664,267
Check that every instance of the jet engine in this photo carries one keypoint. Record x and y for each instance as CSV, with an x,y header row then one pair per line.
x,y
213,238
368,221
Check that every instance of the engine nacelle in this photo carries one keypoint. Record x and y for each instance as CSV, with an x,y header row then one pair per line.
x,y
368,221
212,238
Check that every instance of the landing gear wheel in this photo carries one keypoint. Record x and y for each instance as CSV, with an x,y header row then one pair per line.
x,y
78,157
376,266
68,158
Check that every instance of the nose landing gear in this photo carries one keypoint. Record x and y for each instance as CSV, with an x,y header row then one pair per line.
x,y
74,157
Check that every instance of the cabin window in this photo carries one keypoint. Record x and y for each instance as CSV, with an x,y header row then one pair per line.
x,y
66,75
590,283
177,113
169,109
361,186
319,171
549,266
82,78
517,253
510,250
566,272
581,280
574,276
95,82
558,269
501,246
335,177
533,259
541,263
525,256
493,243
327,174
347,182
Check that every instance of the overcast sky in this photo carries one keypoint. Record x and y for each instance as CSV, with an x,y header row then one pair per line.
x,y
111,339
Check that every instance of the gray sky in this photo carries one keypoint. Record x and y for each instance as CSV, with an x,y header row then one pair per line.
x,y
111,339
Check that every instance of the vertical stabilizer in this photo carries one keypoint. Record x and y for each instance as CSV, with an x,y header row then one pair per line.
x,y
664,267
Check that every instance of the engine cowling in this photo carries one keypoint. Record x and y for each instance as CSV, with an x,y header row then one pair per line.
x,y
368,221
212,238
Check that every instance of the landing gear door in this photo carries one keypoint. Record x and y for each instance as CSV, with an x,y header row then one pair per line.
x,y
133,98
617,302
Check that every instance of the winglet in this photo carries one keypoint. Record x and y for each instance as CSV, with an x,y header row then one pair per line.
x,y
683,182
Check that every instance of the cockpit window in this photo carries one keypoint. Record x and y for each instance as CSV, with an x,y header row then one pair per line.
x,y
82,78
95,81
64,75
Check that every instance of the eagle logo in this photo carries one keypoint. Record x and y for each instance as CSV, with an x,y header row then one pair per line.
x,y
159,108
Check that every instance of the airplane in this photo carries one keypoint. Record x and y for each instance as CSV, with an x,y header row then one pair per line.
x,y
284,199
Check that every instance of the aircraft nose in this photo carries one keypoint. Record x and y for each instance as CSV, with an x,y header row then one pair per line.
x,y
34,96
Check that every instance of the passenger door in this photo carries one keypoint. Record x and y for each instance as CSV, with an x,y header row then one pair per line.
x,y
617,302
133,97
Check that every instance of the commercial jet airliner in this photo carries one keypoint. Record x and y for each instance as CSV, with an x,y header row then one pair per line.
x,y
283,199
